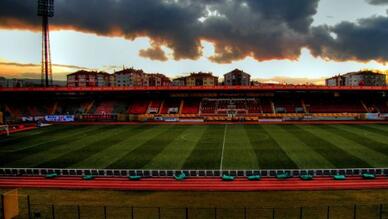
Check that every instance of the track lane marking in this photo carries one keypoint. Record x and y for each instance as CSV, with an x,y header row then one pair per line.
x,y
199,184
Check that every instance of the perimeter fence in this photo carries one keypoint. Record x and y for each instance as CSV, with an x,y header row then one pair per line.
x,y
30,210
190,173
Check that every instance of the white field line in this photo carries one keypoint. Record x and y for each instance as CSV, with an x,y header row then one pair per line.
x,y
223,147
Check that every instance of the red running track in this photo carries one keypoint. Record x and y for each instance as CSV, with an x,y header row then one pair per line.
x,y
194,184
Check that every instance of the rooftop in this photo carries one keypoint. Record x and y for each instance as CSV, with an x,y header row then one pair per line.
x,y
261,87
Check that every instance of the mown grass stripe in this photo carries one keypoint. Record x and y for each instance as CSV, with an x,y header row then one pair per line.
x,y
46,134
176,153
14,138
54,137
55,150
115,152
92,145
368,133
144,153
36,131
373,128
196,147
373,158
297,150
383,127
369,140
238,153
207,152
268,152
55,140
337,156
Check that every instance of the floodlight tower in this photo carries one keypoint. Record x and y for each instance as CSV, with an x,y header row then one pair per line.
x,y
46,10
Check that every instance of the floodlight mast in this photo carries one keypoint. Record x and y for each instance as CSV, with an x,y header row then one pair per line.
x,y
46,10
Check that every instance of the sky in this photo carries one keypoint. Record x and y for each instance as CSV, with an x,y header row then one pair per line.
x,y
286,41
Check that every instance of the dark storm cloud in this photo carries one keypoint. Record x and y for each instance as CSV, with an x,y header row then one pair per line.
x,y
378,2
273,29
363,41
172,23
155,52
263,29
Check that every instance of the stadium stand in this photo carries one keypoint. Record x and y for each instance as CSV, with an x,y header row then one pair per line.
x,y
170,106
154,106
138,107
208,106
224,106
72,107
120,107
373,105
229,105
105,108
190,106
382,107
333,105
266,105
253,106
11,110
288,105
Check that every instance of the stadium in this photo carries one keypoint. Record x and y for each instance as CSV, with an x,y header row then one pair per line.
x,y
84,136
261,138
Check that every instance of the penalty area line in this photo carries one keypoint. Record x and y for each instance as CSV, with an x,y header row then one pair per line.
x,y
223,147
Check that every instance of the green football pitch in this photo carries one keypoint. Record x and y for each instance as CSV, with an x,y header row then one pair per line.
x,y
198,147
